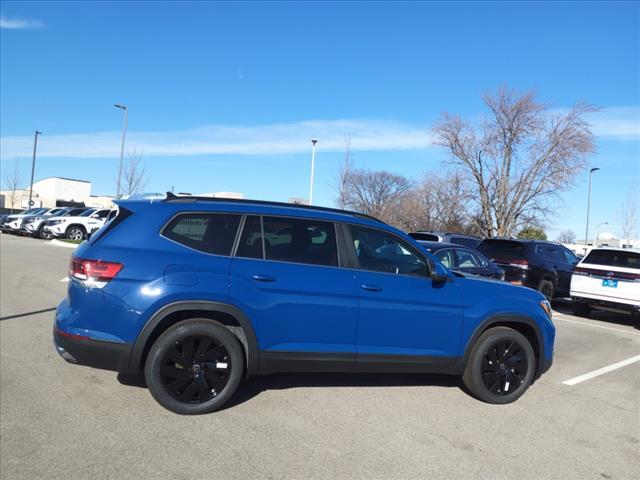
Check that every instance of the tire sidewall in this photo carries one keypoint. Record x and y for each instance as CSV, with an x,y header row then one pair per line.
x,y
552,289
474,375
177,332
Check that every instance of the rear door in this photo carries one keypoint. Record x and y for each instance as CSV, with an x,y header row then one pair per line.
x,y
556,259
286,277
404,317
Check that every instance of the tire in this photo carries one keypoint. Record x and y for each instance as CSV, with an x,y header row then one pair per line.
x,y
75,232
203,386
546,288
44,235
580,309
500,359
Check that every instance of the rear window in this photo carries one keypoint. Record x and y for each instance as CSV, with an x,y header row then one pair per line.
x,y
613,258
465,241
206,232
502,249
428,237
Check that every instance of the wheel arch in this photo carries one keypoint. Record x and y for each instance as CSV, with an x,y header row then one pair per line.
x,y
230,316
520,323
81,226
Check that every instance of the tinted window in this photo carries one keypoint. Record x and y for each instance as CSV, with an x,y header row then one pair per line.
x,y
207,232
381,252
251,241
446,257
102,213
87,213
74,212
552,253
428,237
502,249
300,241
614,258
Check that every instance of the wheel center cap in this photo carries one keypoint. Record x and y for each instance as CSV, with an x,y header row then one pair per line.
x,y
196,368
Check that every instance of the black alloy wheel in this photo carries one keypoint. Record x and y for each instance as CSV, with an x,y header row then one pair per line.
x,y
500,366
504,367
546,288
196,369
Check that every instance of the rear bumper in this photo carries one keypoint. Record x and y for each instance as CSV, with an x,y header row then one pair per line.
x,y
92,353
630,307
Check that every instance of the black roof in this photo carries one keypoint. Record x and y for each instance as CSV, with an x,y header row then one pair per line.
x,y
172,198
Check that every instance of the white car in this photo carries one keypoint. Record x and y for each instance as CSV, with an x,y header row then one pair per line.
x,y
607,279
75,228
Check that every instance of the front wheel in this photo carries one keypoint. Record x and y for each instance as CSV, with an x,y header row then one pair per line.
x,y
75,233
546,288
500,367
194,367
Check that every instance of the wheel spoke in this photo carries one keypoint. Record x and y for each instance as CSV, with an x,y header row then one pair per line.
x,y
187,351
177,384
204,392
170,371
189,392
216,381
493,355
203,346
213,355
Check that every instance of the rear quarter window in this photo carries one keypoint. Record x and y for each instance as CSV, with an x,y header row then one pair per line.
x,y
206,232
613,258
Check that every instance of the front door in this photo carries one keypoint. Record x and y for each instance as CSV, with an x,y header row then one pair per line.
x,y
404,317
285,276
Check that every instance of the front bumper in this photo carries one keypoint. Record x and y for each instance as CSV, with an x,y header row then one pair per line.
x,y
92,353
55,230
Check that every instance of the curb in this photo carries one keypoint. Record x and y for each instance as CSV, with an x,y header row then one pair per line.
x,y
58,243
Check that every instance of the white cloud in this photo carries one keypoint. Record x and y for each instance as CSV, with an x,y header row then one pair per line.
x,y
19,23
282,138
621,123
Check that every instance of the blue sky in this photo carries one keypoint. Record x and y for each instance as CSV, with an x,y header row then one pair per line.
x,y
227,96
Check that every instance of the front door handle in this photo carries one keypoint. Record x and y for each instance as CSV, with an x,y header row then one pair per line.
x,y
371,288
263,278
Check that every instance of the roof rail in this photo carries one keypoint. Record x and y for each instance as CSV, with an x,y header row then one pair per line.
x,y
173,198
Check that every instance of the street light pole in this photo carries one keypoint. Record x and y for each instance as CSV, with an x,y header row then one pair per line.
x,y
313,163
124,134
33,165
595,237
586,234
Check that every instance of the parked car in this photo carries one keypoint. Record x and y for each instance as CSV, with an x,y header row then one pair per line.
x,y
30,223
13,222
36,228
463,260
470,241
76,227
607,279
544,266
199,292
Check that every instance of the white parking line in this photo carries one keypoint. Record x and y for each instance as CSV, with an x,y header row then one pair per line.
x,y
602,371
557,317
65,279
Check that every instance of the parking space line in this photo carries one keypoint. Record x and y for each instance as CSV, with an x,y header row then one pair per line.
x,y
602,371
65,279
556,317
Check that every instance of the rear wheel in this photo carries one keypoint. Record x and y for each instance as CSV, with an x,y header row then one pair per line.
x,y
75,232
546,288
500,367
194,367
580,309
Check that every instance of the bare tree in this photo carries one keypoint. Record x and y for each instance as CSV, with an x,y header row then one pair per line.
x,y
343,179
566,236
134,175
12,181
519,159
630,216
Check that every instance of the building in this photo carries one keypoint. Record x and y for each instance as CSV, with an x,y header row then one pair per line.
x,y
54,192
236,195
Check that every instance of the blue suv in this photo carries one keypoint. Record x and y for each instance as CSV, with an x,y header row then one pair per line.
x,y
199,292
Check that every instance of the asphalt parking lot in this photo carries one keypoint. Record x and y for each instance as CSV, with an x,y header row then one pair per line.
x,y
63,421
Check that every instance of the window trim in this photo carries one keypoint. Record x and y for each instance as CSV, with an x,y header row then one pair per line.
x,y
166,224
412,249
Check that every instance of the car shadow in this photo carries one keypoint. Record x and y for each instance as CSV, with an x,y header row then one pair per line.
x,y
28,314
563,305
254,386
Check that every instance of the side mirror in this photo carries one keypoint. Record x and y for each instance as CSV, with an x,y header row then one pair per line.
x,y
439,274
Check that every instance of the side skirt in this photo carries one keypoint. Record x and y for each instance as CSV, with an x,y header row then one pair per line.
x,y
274,362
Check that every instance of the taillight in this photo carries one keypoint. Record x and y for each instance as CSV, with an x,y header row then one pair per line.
x,y
523,264
581,271
95,273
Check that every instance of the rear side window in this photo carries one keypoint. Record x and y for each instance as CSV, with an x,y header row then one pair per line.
x,y
300,241
207,232
502,249
613,258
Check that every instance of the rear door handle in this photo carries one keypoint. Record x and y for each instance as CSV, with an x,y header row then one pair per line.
x,y
263,278
371,288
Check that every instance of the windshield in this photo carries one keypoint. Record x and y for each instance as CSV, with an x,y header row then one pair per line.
x,y
74,212
88,213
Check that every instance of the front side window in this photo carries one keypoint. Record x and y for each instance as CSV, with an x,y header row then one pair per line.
x,y
207,232
382,252
466,259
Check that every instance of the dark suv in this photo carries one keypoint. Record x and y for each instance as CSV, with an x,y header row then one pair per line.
x,y
544,266
199,292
